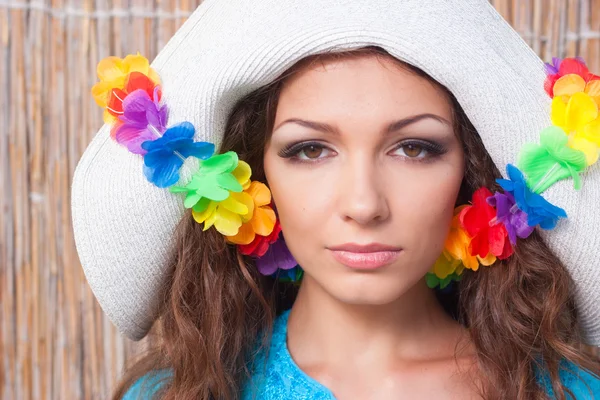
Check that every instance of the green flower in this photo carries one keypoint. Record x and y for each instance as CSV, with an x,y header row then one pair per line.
x,y
433,281
213,182
550,161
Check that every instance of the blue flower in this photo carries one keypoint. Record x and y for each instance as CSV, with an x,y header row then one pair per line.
x,y
289,275
539,211
166,155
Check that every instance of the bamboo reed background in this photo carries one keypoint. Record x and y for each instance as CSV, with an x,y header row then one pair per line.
x,y
55,341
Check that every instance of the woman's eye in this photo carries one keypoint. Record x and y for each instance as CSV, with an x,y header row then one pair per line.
x,y
412,150
306,151
312,152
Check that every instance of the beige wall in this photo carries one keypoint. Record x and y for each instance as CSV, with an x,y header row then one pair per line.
x,y
54,340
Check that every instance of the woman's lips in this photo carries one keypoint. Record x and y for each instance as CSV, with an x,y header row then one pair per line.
x,y
365,256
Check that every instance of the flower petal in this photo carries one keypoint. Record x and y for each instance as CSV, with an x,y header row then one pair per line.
x,y
488,260
581,110
238,203
593,90
263,220
559,111
245,235
201,216
248,201
586,147
573,66
228,181
242,172
133,137
260,193
590,132
162,168
226,222
136,63
445,265
101,90
220,163
111,68
140,81
569,85
277,257
497,237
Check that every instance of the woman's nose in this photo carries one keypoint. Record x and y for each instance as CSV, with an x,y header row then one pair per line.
x,y
362,195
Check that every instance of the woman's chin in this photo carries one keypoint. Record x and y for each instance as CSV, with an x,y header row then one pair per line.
x,y
367,289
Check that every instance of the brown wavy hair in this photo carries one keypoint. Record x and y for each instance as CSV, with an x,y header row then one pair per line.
x,y
218,309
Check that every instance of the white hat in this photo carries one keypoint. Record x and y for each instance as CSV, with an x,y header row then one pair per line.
x,y
123,224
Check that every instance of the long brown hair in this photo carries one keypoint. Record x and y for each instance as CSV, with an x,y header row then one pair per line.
x,y
217,308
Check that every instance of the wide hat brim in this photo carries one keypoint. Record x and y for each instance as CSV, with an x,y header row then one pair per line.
x,y
123,225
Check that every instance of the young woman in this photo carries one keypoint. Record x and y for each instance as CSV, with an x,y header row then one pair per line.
x,y
399,276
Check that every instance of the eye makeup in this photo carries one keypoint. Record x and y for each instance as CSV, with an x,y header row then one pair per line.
x,y
312,151
432,149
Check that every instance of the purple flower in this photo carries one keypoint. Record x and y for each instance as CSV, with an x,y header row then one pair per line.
x,y
513,218
278,256
553,68
143,119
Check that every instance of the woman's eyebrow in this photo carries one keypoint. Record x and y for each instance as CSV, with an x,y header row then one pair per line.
x,y
394,126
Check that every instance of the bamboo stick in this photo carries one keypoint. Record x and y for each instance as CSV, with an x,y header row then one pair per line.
x,y
20,171
7,292
593,54
537,27
34,59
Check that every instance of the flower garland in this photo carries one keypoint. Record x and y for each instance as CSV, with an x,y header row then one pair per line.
x,y
220,193
487,229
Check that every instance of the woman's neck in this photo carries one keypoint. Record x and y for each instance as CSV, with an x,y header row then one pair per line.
x,y
328,334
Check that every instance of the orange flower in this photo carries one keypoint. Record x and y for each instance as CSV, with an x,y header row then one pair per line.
x,y
260,220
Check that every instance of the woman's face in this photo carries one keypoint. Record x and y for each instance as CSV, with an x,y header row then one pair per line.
x,y
364,167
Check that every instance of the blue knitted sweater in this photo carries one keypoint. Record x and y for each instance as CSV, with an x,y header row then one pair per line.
x,y
281,378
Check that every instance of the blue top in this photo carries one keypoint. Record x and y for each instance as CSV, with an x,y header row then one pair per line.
x,y
281,378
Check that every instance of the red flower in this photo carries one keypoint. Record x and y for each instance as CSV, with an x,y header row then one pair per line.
x,y
135,81
485,239
559,68
259,246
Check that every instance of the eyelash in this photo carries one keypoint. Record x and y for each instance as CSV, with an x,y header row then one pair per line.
x,y
432,149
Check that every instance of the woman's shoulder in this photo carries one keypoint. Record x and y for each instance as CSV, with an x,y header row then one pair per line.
x,y
147,386
583,384
152,382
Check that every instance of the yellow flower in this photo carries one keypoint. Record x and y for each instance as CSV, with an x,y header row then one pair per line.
x,y
261,219
446,265
113,73
228,215
578,117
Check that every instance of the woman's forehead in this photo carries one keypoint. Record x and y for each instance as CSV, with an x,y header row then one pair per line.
x,y
369,86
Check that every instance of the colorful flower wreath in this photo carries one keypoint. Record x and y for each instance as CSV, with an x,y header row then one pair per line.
x,y
487,229
220,193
